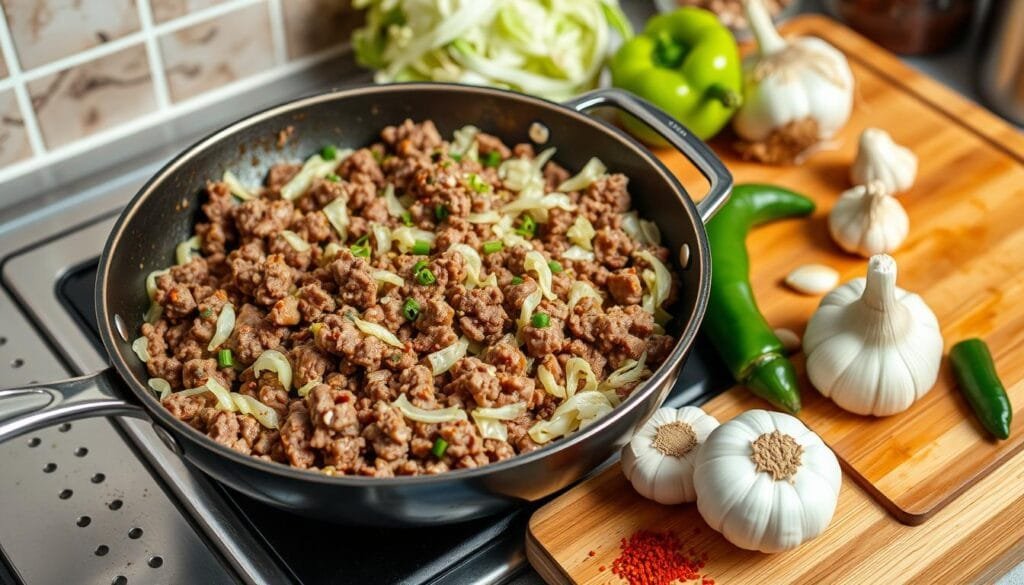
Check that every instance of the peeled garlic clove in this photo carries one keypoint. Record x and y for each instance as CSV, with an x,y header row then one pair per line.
x,y
879,158
867,221
790,340
813,279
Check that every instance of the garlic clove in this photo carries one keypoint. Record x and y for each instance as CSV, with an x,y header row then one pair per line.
x,y
868,221
790,340
813,279
880,159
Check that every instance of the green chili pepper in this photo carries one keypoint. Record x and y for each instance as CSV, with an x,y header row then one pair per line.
x,y
733,323
426,277
980,384
686,63
411,309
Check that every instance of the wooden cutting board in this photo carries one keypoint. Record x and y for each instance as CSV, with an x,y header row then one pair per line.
x,y
965,256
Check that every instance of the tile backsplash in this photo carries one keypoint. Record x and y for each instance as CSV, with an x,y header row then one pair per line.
x,y
76,73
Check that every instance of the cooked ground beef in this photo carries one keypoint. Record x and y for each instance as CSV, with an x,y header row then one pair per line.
x,y
313,303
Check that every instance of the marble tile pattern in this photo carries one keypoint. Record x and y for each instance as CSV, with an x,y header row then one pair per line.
x,y
14,145
97,95
46,30
164,10
80,85
217,52
314,25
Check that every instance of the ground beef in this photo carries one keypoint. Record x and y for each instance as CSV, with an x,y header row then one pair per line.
x,y
306,302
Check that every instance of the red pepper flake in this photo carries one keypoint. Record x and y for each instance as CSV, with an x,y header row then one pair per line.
x,y
591,553
601,568
655,558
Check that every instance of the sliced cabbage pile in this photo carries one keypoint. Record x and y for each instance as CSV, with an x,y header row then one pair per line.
x,y
551,49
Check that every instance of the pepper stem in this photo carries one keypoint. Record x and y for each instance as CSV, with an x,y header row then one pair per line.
x,y
880,288
769,40
728,97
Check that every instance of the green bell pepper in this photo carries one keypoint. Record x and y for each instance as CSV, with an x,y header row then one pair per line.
x,y
686,63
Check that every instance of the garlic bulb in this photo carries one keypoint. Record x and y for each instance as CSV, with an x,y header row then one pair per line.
x,y
867,221
797,92
881,159
660,457
871,347
766,481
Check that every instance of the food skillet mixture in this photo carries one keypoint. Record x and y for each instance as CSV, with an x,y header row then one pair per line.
x,y
412,307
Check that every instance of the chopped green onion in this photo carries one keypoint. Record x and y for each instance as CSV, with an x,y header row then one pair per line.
x,y
492,159
425,277
477,183
527,227
225,359
554,266
540,320
517,280
441,212
329,152
440,446
407,218
421,247
493,246
419,266
455,156
361,247
332,177
206,313
411,309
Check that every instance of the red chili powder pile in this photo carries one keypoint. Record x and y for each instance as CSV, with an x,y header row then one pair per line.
x,y
656,558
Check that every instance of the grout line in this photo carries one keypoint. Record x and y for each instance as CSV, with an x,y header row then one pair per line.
x,y
141,123
136,38
16,79
156,69
277,31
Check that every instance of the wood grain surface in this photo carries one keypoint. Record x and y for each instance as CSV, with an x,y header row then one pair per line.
x,y
965,256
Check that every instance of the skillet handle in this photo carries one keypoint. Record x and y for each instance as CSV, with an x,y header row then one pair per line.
x,y
690,146
31,408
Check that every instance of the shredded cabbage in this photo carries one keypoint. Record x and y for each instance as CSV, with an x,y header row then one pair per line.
x,y
263,414
576,412
464,142
592,171
484,217
577,253
388,277
582,233
225,325
406,236
538,205
151,282
188,249
306,388
548,381
224,401
523,174
160,386
295,241
378,331
578,369
154,313
382,238
274,361
505,230
395,207
236,187
536,262
641,230
659,286
337,214
552,49
141,348
630,371
442,360
474,267
530,304
581,289
441,415
490,420
315,167
330,251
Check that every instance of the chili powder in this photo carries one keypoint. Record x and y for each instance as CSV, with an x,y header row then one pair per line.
x,y
656,558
